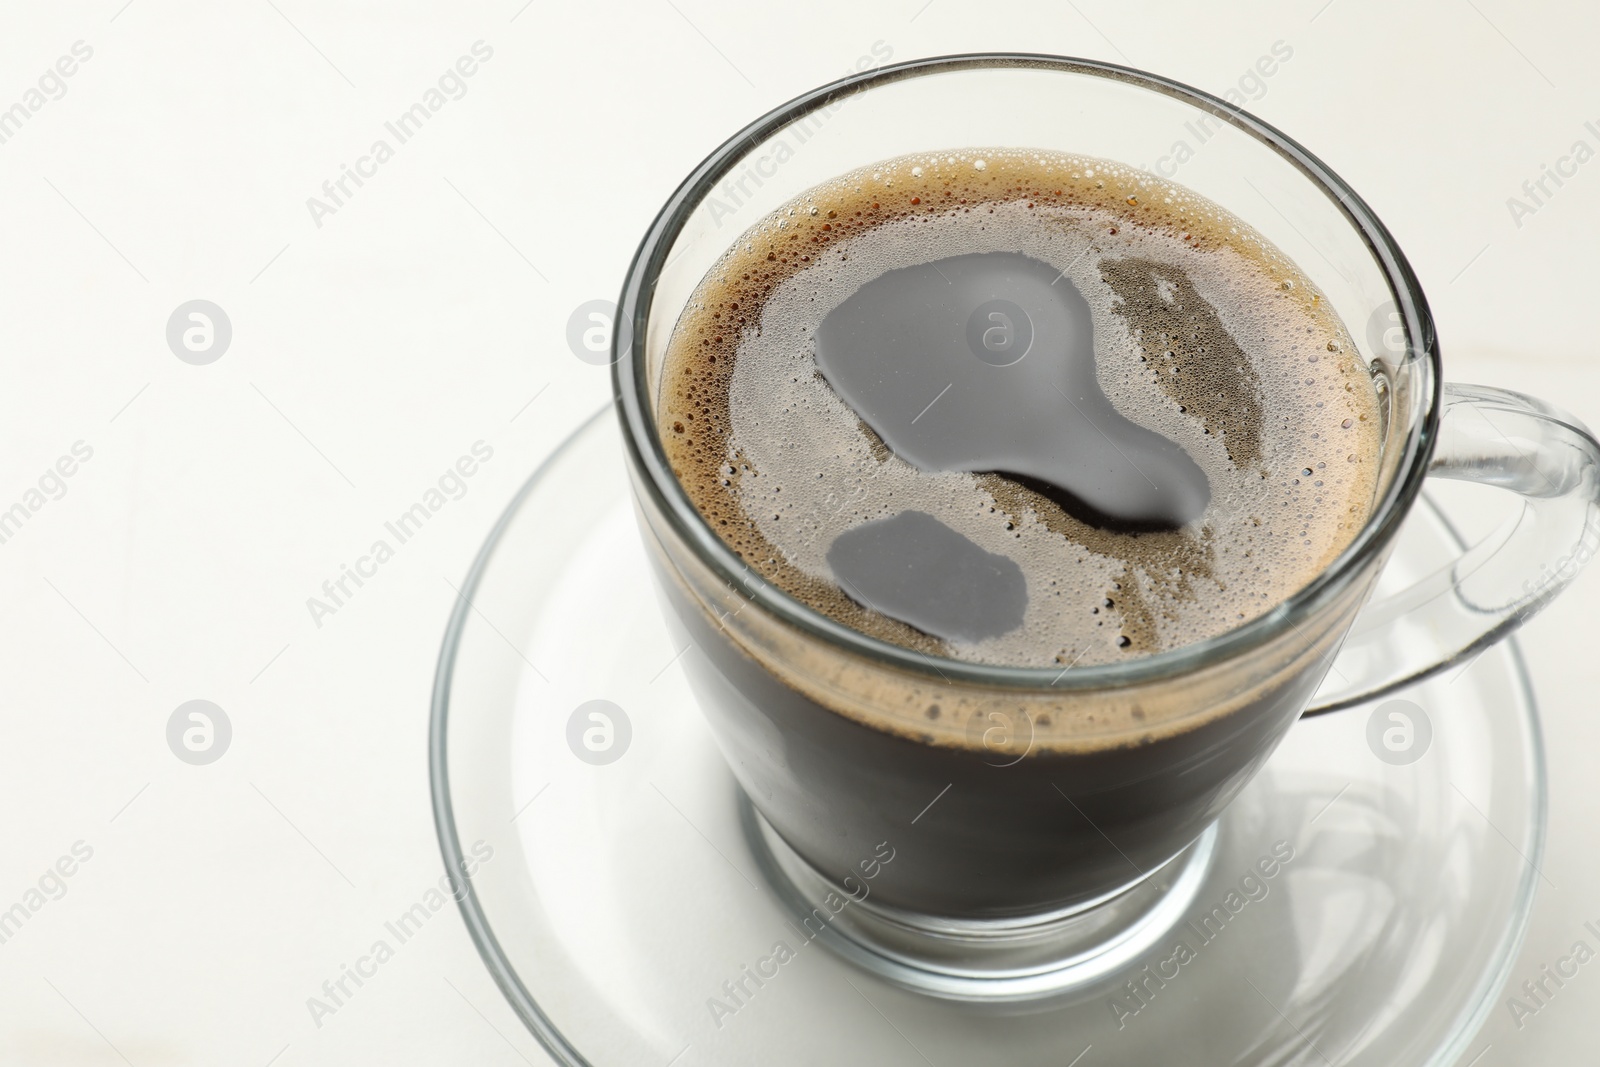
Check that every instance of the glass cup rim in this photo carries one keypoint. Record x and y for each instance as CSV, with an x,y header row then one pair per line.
x,y
630,383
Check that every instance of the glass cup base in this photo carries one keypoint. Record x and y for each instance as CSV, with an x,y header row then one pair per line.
x,y
1028,958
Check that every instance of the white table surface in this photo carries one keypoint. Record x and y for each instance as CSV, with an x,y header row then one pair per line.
x,y
371,351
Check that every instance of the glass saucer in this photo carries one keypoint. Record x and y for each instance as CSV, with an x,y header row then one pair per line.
x,y
621,900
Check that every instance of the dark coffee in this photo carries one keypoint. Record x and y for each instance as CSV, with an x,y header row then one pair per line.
x,y
1023,409
990,819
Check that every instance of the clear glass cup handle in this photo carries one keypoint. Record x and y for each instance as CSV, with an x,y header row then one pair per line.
x,y
1493,437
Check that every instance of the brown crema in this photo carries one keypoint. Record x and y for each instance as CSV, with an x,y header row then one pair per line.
x,y
1203,332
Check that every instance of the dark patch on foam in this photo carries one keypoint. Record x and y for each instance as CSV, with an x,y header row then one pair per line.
x,y
1167,562
1191,356
914,568
908,353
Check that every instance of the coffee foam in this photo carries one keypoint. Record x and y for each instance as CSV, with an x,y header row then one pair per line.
x,y
1204,333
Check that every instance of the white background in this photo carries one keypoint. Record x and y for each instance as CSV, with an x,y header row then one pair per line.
x,y
372,351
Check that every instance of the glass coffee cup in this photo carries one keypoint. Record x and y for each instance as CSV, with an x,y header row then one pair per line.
x,y
1017,843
